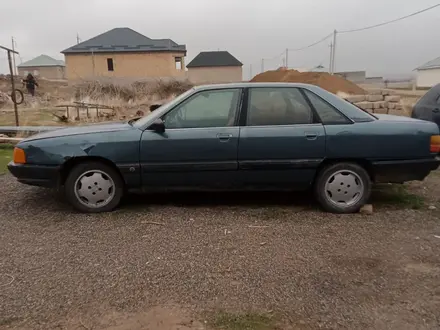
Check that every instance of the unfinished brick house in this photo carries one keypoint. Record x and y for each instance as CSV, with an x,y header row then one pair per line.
x,y
215,67
124,53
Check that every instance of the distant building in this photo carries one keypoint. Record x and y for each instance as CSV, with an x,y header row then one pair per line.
x,y
374,80
428,74
215,67
357,77
43,66
124,53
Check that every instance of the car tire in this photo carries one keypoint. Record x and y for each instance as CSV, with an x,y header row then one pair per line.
x,y
94,187
343,187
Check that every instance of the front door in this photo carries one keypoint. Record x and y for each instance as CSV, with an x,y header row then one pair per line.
x,y
199,145
282,142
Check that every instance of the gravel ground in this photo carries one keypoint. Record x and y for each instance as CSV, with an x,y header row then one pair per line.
x,y
216,252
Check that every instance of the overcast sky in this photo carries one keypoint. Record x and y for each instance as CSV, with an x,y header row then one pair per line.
x,y
249,29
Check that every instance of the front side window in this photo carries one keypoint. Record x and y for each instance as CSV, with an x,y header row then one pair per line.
x,y
277,106
327,113
212,108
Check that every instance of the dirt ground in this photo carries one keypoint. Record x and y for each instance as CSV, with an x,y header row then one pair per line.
x,y
220,261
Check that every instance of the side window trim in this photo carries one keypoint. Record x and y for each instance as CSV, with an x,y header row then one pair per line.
x,y
303,91
244,107
239,103
316,118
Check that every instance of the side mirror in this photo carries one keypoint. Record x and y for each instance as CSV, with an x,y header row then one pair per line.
x,y
158,126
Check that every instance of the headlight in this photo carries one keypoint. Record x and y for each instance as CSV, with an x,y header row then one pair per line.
x,y
19,156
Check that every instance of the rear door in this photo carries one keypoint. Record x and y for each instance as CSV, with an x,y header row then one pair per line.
x,y
282,141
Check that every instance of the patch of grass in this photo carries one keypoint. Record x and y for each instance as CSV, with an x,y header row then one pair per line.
x,y
5,157
248,321
397,195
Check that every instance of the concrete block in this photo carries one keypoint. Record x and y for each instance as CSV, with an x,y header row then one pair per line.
x,y
355,98
380,105
388,92
392,105
374,91
374,97
392,98
381,111
365,105
398,106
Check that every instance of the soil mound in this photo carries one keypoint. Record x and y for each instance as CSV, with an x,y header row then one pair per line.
x,y
331,83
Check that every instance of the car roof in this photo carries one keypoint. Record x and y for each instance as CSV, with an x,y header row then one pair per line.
x,y
252,84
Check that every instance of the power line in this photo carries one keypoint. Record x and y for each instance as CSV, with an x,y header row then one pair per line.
x,y
389,22
311,45
274,57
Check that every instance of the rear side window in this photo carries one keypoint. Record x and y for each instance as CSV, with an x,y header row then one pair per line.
x,y
328,114
277,106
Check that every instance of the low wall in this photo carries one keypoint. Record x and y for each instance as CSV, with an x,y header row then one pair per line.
x,y
383,101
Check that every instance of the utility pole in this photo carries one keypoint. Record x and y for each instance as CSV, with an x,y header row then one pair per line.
x,y
77,39
334,52
287,58
262,65
331,58
13,95
13,56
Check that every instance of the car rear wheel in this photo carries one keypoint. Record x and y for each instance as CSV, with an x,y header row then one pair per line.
x,y
343,187
94,187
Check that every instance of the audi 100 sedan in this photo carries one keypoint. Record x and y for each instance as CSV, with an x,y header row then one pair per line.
x,y
260,136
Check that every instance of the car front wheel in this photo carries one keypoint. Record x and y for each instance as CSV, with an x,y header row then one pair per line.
x,y
343,187
94,187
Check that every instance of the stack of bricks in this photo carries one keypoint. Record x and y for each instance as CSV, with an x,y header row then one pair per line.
x,y
382,101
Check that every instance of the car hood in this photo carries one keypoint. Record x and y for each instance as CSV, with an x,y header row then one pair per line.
x,y
79,130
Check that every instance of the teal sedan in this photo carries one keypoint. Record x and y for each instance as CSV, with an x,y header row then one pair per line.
x,y
260,136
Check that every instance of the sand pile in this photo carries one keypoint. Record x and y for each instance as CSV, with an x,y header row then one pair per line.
x,y
324,80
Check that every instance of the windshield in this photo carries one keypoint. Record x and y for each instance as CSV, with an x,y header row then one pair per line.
x,y
159,111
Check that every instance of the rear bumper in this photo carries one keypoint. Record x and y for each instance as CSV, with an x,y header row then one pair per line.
x,y
399,171
35,175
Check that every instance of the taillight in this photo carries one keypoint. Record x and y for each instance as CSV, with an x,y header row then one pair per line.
x,y
435,144
19,156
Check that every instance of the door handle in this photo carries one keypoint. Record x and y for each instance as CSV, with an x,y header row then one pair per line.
x,y
311,135
436,110
223,137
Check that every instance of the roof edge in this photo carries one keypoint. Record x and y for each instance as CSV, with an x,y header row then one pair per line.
x,y
126,51
214,66
37,66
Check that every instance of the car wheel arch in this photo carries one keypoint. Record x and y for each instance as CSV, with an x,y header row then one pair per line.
x,y
359,161
74,161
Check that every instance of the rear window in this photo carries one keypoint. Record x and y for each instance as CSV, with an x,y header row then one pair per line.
x,y
351,111
357,114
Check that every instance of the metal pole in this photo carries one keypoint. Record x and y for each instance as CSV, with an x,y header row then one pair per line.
x,y
13,56
331,58
13,88
334,52
287,58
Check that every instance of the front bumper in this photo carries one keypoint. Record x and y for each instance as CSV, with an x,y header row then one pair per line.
x,y
399,171
35,175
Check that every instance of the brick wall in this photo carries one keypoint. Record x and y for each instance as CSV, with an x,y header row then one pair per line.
x,y
125,65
